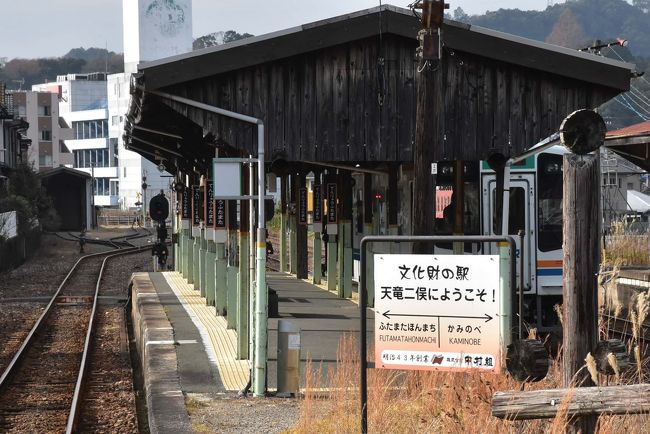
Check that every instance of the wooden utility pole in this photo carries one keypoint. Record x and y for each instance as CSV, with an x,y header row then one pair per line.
x,y
582,132
581,241
428,119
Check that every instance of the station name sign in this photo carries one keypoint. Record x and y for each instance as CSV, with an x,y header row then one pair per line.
x,y
302,206
196,205
207,204
185,205
437,312
318,204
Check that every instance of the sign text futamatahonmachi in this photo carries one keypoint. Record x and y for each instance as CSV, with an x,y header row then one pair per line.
x,y
437,312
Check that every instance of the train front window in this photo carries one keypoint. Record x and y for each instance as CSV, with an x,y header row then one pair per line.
x,y
549,209
516,212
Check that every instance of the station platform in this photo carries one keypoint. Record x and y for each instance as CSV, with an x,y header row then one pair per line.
x,y
185,347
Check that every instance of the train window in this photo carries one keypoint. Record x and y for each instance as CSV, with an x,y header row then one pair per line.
x,y
517,213
549,208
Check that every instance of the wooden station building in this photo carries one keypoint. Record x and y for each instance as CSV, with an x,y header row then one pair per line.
x,y
338,101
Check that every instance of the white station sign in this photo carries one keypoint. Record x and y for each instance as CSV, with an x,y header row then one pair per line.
x,y
437,312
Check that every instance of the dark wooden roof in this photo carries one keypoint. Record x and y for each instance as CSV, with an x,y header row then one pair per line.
x,y
344,90
386,19
62,170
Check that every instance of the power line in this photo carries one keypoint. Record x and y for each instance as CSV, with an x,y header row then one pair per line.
x,y
629,107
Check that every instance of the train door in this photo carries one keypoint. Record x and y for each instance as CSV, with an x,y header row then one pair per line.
x,y
521,217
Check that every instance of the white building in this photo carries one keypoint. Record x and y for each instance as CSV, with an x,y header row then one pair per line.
x,y
153,29
83,105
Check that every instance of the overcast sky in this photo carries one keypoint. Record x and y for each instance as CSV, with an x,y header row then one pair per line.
x,y
50,28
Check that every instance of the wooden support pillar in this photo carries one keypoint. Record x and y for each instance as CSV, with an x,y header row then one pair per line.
x,y
429,127
581,246
317,217
497,163
368,197
393,201
284,216
345,236
293,226
301,227
459,204
243,292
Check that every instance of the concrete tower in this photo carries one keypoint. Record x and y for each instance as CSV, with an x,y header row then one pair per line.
x,y
154,29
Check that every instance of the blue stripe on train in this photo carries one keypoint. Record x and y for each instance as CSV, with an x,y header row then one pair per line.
x,y
549,271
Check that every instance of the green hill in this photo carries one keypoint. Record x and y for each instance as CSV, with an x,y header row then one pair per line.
x,y
78,60
579,24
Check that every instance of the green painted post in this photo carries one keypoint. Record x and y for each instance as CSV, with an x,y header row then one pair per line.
x,y
293,245
203,248
189,259
195,263
221,288
284,266
370,267
332,252
243,295
505,320
178,258
177,247
317,258
210,273
347,259
339,253
232,283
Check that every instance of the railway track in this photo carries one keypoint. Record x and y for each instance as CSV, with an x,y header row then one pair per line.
x,y
42,389
273,260
118,242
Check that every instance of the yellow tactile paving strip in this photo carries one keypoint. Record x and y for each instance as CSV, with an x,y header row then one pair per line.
x,y
220,343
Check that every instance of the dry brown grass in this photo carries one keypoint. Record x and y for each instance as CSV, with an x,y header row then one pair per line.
x,y
444,402
433,402
625,249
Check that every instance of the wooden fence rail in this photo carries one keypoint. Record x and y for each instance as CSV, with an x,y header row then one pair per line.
x,y
581,401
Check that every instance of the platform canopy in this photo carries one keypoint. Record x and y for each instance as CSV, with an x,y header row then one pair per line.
x,y
344,90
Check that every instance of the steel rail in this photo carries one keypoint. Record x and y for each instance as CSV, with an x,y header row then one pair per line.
x,y
73,416
41,320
